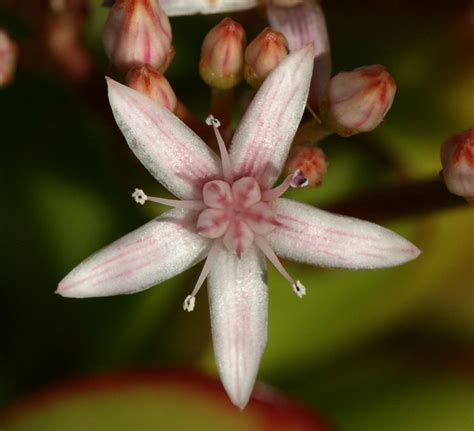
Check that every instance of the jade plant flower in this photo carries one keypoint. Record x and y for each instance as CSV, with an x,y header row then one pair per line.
x,y
230,212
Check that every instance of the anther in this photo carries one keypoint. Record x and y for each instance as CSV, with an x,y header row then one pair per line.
x,y
213,121
188,304
298,179
299,289
139,196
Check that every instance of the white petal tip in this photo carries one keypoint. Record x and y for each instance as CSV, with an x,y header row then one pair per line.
x,y
66,292
189,302
299,289
414,252
241,404
110,81
405,253
240,398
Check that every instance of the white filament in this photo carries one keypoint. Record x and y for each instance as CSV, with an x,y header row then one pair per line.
x,y
298,287
188,304
226,166
141,197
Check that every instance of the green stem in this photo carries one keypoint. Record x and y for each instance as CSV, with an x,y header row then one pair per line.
x,y
311,133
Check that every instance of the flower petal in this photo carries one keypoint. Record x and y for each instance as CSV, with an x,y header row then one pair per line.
x,y
261,143
238,301
171,151
316,237
302,25
158,250
191,7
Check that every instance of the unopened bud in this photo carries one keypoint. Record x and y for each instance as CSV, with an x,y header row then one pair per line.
x,y
457,158
263,54
311,161
357,101
137,32
152,84
222,55
8,58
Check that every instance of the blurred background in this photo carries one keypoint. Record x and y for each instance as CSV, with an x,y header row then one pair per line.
x,y
368,350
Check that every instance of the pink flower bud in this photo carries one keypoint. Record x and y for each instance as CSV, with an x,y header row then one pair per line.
x,y
457,158
263,54
222,55
357,101
152,84
311,160
137,32
8,58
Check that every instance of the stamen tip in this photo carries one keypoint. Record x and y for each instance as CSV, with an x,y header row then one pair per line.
x,y
212,121
188,304
139,196
299,289
298,179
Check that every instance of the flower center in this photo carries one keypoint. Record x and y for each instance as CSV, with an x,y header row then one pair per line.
x,y
235,212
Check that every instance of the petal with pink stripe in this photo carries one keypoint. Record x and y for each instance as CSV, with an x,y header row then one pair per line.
x,y
172,152
191,7
158,250
316,237
262,141
238,301
302,25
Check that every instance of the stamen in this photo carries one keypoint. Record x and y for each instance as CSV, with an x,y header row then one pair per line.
x,y
298,287
226,166
188,304
295,180
140,198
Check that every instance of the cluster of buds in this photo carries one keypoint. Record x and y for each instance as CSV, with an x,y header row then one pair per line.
x,y
358,101
8,58
137,39
457,159
225,59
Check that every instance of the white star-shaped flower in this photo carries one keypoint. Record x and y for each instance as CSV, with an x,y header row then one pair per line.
x,y
230,212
